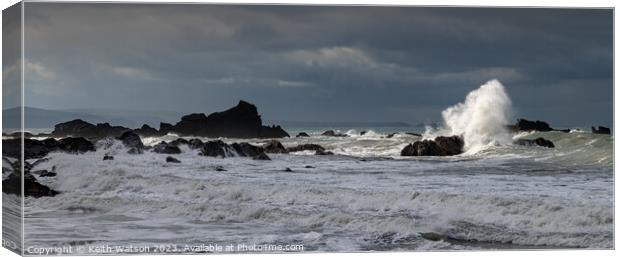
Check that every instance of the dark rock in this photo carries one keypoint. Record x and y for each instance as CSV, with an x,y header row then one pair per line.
x,y
195,144
219,168
135,151
50,143
108,157
391,135
432,236
215,148
45,173
331,133
165,148
363,133
309,167
194,124
179,142
32,188
247,150
526,125
147,131
262,157
241,121
535,142
305,147
302,134
75,145
32,148
218,148
440,146
172,159
288,169
164,128
272,132
413,134
131,140
601,130
80,128
274,146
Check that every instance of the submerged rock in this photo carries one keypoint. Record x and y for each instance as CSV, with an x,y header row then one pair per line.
x,y
135,151
432,236
440,146
331,133
535,142
302,134
172,159
108,157
601,130
262,157
45,173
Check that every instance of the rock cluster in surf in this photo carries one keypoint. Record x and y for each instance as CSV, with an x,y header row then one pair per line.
x,y
241,121
440,146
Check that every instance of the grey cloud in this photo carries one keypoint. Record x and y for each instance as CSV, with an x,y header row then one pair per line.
x,y
317,62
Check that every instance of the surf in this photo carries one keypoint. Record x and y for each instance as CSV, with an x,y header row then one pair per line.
x,y
480,119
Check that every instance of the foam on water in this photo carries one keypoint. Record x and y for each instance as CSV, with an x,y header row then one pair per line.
x,y
341,203
480,119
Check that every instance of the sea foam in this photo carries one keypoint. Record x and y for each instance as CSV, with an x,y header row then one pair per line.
x,y
481,119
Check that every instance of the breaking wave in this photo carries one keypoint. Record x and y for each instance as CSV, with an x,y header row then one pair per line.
x,y
480,119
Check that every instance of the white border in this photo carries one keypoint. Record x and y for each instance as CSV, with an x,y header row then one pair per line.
x,y
504,3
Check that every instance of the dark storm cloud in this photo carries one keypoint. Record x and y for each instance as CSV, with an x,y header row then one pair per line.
x,y
318,63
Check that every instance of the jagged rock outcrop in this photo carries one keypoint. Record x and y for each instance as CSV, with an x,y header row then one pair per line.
x,y
164,128
80,128
526,125
331,133
147,131
218,148
306,147
241,121
535,142
34,149
440,146
131,140
601,130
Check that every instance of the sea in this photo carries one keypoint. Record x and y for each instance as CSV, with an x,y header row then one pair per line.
x,y
365,197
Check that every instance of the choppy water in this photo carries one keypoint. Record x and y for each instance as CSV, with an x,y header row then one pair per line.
x,y
366,197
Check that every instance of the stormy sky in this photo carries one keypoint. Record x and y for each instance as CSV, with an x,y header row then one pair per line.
x,y
318,63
